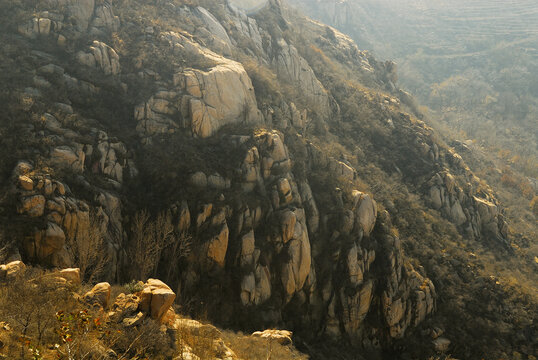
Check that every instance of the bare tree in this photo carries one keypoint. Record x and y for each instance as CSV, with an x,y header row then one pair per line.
x,y
177,251
148,239
89,251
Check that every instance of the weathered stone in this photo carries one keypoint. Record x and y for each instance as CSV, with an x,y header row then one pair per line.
x,y
342,170
282,337
248,289
288,220
101,55
284,189
218,245
247,248
33,206
355,307
311,207
291,66
227,98
365,299
126,305
365,210
80,12
199,179
99,295
22,168
214,27
263,284
66,157
486,209
435,197
12,269
216,181
354,267
297,269
58,206
204,213
196,328
394,312
53,240
104,18
133,320
72,275
457,214
26,183
161,297
441,344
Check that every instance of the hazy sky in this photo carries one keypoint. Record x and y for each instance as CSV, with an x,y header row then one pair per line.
x,y
248,3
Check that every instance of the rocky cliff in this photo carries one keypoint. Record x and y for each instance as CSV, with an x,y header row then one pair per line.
x,y
255,145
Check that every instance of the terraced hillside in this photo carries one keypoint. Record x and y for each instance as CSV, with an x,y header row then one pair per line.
x,y
393,29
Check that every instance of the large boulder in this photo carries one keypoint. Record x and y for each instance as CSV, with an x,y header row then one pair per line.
x,y
156,298
99,295
11,269
71,275
487,210
365,209
68,158
203,100
220,96
102,56
26,183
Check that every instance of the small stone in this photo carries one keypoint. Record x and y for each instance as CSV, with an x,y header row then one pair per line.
x,y
72,275
441,344
283,337
134,320
26,183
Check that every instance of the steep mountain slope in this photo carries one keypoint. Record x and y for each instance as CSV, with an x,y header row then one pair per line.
x,y
238,158
473,63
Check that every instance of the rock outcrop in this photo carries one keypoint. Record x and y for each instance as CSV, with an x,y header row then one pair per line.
x,y
101,56
291,66
202,100
478,217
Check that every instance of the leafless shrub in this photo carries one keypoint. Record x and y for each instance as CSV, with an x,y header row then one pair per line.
x,y
198,341
148,239
145,341
247,347
28,303
89,251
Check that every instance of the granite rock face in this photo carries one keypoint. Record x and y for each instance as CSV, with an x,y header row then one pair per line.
x,y
201,100
270,222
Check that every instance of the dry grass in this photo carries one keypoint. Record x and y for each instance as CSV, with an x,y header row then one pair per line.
x,y
253,348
